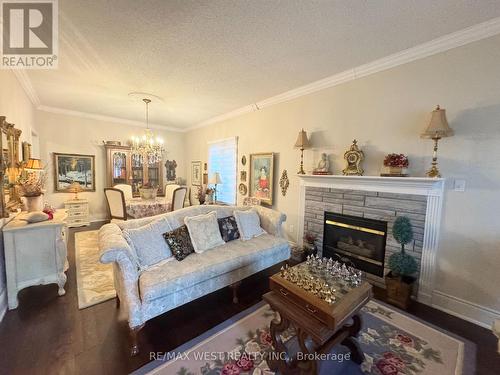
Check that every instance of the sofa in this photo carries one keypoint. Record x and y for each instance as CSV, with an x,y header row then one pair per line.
x,y
145,294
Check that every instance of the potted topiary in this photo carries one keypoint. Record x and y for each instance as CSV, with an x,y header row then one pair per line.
x,y
399,281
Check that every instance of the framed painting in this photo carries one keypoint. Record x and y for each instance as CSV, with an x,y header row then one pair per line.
x,y
196,173
262,177
69,168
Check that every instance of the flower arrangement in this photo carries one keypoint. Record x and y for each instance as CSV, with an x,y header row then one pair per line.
x,y
31,183
310,238
149,185
396,161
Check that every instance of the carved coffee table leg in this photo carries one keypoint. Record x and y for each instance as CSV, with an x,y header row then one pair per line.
x,y
350,342
306,347
278,361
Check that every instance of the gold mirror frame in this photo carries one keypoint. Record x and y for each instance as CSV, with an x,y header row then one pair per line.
x,y
9,167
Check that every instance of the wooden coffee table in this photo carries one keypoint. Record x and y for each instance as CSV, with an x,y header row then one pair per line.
x,y
318,325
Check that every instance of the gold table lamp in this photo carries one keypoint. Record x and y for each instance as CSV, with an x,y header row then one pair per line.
x,y
75,188
438,128
302,143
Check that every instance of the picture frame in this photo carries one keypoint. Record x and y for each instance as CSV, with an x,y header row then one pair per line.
x,y
243,176
26,150
69,168
196,174
261,178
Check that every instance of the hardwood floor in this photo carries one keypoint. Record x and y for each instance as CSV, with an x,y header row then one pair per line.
x,y
47,334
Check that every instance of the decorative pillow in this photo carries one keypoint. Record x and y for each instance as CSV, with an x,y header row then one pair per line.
x,y
204,231
148,243
34,217
248,224
228,228
179,242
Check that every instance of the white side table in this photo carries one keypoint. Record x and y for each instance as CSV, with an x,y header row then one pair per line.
x,y
78,212
35,254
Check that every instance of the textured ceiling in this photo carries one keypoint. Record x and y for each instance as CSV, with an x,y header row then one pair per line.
x,y
206,58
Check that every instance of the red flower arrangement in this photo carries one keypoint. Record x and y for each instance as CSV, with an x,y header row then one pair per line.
x,y
310,237
396,161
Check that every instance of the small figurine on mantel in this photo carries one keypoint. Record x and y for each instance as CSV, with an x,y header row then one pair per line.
x,y
354,156
323,166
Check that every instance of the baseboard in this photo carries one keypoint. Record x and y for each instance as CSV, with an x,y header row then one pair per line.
x,y
469,311
3,303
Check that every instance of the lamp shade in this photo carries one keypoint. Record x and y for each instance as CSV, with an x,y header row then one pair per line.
x,y
34,164
302,141
75,187
438,126
215,179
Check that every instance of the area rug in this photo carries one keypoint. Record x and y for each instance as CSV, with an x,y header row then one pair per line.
x,y
94,280
393,342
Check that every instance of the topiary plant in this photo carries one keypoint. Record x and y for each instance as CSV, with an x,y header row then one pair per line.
x,y
402,263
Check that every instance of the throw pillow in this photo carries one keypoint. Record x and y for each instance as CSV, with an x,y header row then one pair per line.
x,y
228,228
34,217
179,242
204,231
148,243
248,224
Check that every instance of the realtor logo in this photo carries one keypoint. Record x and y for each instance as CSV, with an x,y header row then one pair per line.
x,y
29,34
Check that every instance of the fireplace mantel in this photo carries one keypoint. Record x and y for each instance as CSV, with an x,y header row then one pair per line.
x,y
432,188
399,185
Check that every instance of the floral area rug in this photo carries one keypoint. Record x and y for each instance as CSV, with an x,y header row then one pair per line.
x,y
394,343
94,280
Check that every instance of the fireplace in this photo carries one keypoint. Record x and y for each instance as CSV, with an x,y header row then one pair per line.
x,y
357,240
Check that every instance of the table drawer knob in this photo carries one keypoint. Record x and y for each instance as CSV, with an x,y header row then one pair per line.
x,y
311,310
283,291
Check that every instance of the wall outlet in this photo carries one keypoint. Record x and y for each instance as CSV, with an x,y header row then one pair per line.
x,y
459,185
291,227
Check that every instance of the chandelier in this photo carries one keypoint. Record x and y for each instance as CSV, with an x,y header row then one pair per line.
x,y
147,149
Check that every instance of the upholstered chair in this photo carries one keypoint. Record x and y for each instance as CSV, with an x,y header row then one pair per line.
x,y
127,190
169,191
116,204
179,198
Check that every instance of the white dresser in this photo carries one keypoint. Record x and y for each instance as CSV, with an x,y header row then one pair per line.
x,y
78,212
35,254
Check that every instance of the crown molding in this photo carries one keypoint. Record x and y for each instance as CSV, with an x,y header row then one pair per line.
x,y
457,39
27,86
95,116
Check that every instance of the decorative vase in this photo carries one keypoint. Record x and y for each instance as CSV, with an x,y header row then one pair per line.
x,y
34,203
399,290
310,249
148,193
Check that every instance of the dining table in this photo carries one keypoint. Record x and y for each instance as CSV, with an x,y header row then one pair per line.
x,y
138,207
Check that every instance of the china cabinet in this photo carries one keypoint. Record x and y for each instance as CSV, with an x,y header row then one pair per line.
x,y
122,168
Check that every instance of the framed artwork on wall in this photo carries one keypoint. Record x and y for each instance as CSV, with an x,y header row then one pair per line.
x,y
69,168
262,177
196,173
170,166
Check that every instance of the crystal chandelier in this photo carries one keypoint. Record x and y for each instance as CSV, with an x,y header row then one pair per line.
x,y
147,149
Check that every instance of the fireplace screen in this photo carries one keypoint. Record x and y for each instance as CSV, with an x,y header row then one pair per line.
x,y
355,240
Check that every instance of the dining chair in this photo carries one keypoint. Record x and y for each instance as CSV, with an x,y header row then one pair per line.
x,y
169,191
179,198
116,204
127,190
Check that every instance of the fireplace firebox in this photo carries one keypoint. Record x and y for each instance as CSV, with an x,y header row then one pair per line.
x,y
356,240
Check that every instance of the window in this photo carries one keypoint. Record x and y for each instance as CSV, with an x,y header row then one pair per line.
x,y
222,158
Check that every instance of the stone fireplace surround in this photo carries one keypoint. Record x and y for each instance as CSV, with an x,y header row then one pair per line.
x,y
381,198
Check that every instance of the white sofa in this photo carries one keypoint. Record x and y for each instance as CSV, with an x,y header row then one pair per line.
x,y
163,287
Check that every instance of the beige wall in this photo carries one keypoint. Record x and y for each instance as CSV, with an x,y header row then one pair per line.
x,y
386,112
17,108
69,134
